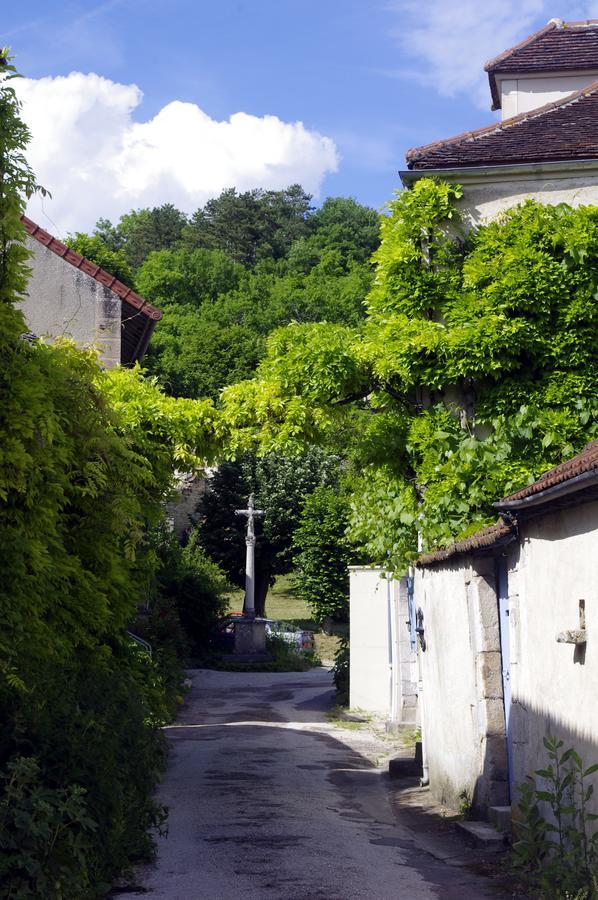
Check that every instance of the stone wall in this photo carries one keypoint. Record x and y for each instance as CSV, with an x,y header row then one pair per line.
x,y
462,700
62,301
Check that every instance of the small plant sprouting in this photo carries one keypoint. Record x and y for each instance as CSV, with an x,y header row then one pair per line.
x,y
557,856
465,804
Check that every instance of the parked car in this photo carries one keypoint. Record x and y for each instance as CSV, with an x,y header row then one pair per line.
x,y
302,640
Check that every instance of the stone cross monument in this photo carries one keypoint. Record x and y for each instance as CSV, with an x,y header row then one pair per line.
x,y
251,512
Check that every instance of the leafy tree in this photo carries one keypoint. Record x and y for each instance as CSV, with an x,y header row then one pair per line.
x,y
141,231
170,277
253,225
86,459
199,349
474,371
280,486
95,249
324,554
342,226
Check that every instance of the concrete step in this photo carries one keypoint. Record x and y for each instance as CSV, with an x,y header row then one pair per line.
x,y
500,818
404,767
483,836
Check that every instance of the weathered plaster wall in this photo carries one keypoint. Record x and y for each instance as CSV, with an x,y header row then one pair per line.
x,y
63,301
555,686
370,649
181,510
462,703
484,200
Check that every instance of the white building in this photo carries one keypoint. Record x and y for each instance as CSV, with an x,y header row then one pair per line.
x,y
545,146
510,617
70,296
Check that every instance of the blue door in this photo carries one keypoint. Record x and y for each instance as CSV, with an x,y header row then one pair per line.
x,y
502,584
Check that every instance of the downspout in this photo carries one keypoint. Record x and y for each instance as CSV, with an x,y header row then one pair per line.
x,y
392,654
425,779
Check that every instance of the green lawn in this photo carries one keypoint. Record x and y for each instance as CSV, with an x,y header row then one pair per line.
x,y
283,604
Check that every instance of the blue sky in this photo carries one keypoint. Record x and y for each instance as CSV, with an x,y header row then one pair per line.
x,y
374,78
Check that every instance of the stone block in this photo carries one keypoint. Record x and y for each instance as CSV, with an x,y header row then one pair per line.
x,y
489,674
492,717
250,636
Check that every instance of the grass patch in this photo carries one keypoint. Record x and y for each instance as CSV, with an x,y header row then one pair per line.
x,y
353,719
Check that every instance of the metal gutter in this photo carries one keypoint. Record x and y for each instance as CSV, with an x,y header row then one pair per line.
x,y
500,171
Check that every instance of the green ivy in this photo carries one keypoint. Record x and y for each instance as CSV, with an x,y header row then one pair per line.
x,y
475,369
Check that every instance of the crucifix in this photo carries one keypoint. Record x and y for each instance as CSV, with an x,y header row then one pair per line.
x,y
251,512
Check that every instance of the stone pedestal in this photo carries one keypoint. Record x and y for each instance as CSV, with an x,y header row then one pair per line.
x,y
250,637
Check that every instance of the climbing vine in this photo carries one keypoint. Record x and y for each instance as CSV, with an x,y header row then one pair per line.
x,y
474,371
86,462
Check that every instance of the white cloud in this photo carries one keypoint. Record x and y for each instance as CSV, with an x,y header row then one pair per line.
x,y
87,150
452,39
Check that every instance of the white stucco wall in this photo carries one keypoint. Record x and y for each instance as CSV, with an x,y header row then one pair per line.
x,y
379,633
369,635
462,706
63,301
521,93
486,197
555,687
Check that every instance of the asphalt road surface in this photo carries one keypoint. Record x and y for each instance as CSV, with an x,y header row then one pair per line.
x,y
270,801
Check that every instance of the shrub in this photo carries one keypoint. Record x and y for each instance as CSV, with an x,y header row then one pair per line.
x,y
558,856
195,585
324,554
45,836
340,672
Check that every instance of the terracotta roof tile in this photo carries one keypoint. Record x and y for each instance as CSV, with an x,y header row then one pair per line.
x,y
557,47
484,539
126,294
586,461
564,130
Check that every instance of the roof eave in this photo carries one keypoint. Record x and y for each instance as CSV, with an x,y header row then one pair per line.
x,y
449,554
409,176
557,492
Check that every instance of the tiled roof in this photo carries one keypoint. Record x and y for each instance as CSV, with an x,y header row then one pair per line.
x,y
484,539
126,294
559,46
586,461
564,130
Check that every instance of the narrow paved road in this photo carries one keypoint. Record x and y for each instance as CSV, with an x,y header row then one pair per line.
x,y
270,801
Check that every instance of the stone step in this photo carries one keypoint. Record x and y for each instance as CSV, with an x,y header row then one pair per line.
x,y
483,836
404,767
500,818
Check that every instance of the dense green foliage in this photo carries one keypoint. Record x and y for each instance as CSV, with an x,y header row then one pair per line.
x,y
196,587
86,461
324,554
474,371
240,267
280,487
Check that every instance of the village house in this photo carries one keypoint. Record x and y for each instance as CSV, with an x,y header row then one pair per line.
x,y
493,680
507,616
545,146
70,296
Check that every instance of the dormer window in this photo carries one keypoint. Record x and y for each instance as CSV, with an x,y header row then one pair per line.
x,y
549,65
